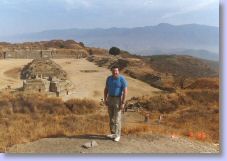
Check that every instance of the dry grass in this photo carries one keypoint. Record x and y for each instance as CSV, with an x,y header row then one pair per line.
x,y
204,97
88,71
82,106
205,83
182,65
192,113
184,112
195,120
161,103
24,119
25,103
136,129
21,128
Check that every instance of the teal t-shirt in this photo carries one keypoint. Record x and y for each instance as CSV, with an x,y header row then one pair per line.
x,y
116,85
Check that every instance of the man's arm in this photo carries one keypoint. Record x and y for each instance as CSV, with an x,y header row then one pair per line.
x,y
123,98
106,92
105,95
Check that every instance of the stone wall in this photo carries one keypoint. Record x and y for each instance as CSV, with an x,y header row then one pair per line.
x,y
57,87
35,54
38,85
61,87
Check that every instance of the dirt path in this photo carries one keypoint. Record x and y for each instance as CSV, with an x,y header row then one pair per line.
x,y
128,144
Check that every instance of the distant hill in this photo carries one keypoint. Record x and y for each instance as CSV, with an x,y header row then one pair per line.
x,y
203,54
184,65
161,71
201,40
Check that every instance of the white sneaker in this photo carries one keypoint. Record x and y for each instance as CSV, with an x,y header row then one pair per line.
x,y
112,136
117,139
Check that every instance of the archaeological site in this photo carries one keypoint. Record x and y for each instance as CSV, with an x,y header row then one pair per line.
x,y
42,74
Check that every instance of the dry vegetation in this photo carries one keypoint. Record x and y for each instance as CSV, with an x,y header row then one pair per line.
x,y
187,112
26,117
57,44
88,71
166,72
182,65
205,83
138,129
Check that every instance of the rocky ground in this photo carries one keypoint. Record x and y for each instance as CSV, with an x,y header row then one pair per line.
x,y
128,144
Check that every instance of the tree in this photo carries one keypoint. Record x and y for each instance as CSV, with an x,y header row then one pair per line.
x,y
90,51
114,51
81,44
62,46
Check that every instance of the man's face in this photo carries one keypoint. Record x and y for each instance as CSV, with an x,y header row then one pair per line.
x,y
115,72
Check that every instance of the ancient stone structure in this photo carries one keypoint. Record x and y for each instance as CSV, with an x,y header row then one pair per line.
x,y
54,87
44,75
43,49
39,85
49,53
45,68
61,87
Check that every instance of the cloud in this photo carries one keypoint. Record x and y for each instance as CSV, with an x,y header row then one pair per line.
x,y
104,4
148,2
36,15
75,4
13,2
190,8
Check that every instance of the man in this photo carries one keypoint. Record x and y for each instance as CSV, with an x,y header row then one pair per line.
x,y
114,97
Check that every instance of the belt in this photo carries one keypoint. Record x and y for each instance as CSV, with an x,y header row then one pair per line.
x,y
114,96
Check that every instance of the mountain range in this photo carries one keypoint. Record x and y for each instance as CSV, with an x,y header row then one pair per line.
x,y
191,39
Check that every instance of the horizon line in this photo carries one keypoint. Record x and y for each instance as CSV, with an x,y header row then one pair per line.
x,y
105,28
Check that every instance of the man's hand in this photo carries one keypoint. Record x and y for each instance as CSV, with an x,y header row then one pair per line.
x,y
122,106
106,102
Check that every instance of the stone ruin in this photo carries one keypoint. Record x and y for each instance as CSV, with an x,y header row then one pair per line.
x,y
48,53
54,49
44,68
44,75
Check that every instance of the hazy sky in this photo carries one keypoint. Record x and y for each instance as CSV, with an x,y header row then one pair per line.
x,y
23,16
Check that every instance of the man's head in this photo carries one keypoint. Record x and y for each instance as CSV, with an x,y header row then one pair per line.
x,y
115,71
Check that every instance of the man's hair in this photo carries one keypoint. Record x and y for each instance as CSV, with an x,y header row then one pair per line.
x,y
114,66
